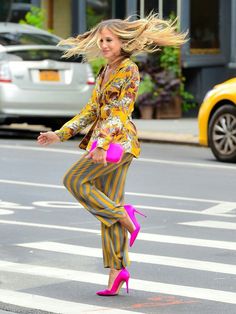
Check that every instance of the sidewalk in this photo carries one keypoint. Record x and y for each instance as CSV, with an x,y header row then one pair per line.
x,y
181,131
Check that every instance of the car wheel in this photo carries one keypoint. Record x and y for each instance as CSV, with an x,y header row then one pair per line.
x,y
222,133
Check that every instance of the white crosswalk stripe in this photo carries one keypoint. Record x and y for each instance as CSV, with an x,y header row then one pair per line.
x,y
136,284
221,208
135,257
211,224
153,237
53,305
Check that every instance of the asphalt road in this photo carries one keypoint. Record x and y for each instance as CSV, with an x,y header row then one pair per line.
x,y
183,262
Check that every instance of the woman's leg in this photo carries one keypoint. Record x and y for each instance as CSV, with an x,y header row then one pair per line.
x,y
80,181
101,190
115,237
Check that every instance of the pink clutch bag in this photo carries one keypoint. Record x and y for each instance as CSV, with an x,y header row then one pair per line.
x,y
114,152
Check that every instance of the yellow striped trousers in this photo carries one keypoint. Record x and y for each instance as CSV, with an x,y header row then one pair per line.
x,y
100,189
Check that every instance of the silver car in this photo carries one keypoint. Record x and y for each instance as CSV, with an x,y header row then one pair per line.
x,y
36,84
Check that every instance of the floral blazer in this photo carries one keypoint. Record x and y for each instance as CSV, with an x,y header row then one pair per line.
x,y
109,109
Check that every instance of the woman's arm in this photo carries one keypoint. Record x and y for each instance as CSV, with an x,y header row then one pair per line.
x,y
86,116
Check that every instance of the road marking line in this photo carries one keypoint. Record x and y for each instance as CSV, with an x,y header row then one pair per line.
x,y
224,245
150,160
136,284
221,208
53,305
187,164
183,211
10,205
58,204
34,184
31,184
151,237
6,211
135,257
43,149
211,224
29,224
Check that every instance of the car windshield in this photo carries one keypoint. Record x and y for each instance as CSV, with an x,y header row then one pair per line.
x,y
41,54
9,39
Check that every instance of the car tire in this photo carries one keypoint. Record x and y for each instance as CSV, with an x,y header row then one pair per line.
x,y
222,133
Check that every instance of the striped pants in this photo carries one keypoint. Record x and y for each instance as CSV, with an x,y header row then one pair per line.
x,y
100,189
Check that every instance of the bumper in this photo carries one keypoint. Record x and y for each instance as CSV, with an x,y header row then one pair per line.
x,y
203,118
44,103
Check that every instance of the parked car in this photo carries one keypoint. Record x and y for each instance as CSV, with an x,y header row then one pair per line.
x,y
217,121
36,84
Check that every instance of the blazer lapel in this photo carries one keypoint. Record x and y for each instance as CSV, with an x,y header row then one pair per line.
x,y
113,75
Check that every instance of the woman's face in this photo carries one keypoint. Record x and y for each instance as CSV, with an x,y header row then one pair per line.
x,y
110,45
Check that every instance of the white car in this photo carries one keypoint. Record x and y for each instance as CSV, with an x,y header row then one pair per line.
x,y
36,84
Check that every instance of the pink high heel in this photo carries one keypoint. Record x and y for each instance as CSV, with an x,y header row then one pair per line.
x,y
131,212
122,277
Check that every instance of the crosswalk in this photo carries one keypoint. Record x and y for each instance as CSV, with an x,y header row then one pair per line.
x,y
183,262
63,274
136,284
53,305
135,257
153,237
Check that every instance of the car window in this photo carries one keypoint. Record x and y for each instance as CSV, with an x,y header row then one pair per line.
x,y
42,54
9,39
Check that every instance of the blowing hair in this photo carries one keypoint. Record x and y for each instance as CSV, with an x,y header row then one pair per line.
x,y
142,35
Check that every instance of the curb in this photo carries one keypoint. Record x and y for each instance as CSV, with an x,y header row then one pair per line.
x,y
170,138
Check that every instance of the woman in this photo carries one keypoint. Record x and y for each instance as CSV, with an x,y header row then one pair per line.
x,y
99,186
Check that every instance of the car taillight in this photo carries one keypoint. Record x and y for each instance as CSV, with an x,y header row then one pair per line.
x,y
90,81
5,75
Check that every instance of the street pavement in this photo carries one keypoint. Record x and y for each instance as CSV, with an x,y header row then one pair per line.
x,y
182,263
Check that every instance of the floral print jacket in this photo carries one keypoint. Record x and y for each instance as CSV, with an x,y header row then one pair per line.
x,y
109,109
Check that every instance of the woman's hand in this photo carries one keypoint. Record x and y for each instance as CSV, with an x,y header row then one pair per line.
x,y
98,155
47,138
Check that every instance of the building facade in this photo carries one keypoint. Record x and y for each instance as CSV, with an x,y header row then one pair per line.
x,y
208,58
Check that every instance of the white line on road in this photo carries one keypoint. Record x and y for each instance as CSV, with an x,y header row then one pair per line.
x,y
6,212
32,184
52,305
29,224
187,164
43,149
150,160
211,224
220,208
10,205
43,185
151,237
183,211
224,245
135,257
136,284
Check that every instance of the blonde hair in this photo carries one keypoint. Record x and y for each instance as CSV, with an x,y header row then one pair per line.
x,y
142,35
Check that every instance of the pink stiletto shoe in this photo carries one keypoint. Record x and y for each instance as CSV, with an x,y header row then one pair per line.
x,y
131,212
122,277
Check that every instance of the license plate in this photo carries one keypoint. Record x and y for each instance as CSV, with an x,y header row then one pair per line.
x,y
49,75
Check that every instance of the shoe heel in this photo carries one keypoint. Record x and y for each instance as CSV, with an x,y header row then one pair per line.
x,y
140,213
127,285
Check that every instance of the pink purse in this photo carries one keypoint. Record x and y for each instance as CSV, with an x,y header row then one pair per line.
x,y
114,152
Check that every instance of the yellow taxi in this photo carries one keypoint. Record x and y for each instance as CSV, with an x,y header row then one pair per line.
x,y
217,121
